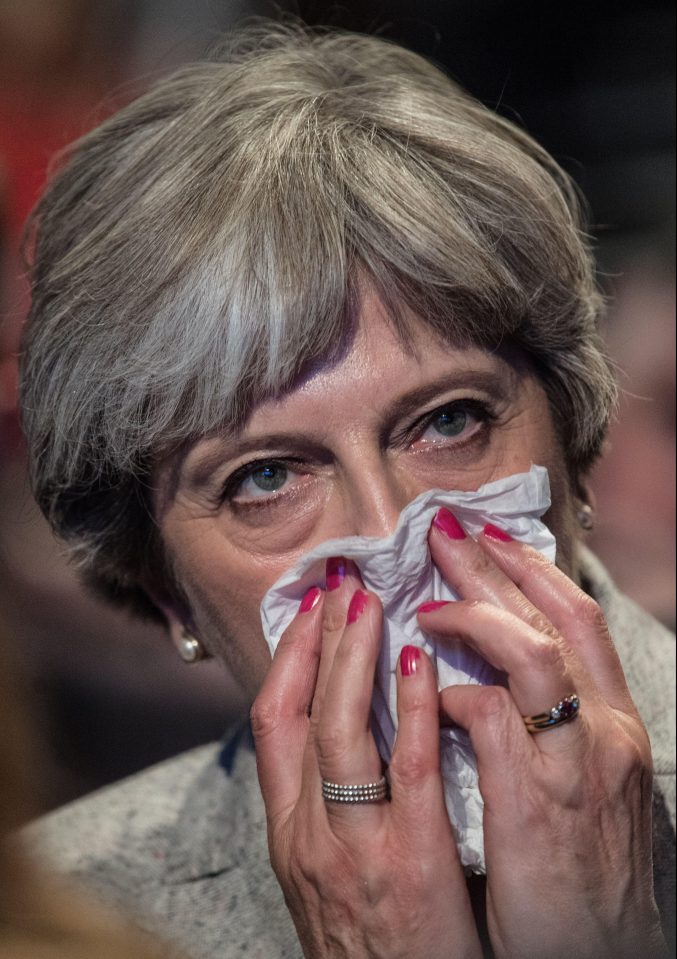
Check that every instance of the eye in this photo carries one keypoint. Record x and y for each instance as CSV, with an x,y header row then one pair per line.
x,y
263,480
450,422
259,481
266,479
457,421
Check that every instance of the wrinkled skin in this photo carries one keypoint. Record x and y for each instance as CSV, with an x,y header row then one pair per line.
x,y
342,454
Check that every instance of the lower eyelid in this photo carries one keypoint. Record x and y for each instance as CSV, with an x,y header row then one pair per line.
x,y
275,503
269,497
479,437
467,433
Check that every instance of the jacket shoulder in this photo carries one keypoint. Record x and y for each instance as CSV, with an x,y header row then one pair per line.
x,y
127,823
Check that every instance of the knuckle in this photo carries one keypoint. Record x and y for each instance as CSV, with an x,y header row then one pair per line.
x,y
623,774
409,772
415,707
590,613
315,718
332,744
545,654
533,564
479,564
493,704
333,619
315,714
264,717
304,869
538,621
629,759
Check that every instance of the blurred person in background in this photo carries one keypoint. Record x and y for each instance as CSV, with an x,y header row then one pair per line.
x,y
638,544
64,66
40,917
273,301
54,74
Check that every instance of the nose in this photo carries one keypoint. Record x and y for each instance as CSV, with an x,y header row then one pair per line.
x,y
374,497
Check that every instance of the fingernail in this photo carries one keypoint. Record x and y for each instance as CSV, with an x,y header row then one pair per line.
x,y
310,600
357,604
432,606
335,572
450,526
494,532
409,659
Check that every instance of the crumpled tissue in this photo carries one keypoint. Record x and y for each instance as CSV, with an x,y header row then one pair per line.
x,y
401,573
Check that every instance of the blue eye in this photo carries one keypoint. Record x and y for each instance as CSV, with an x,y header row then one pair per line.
x,y
456,423
260,481
269,478
451,422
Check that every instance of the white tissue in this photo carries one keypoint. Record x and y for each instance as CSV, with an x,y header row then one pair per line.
x,y
400,571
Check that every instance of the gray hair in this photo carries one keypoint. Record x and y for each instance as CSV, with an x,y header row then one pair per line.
x,y
205,244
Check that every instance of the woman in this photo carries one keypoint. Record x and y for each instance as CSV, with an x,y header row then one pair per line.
x,y
275,299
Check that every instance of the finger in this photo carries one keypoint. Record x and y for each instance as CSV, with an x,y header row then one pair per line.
x,y
346,752
342,579
417,805
415,777
472,572
280,714
572,612
504,753
540,669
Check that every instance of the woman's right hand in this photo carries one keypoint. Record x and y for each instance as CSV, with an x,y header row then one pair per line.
x,y
371,880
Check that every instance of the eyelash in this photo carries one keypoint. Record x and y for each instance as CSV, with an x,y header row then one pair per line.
x,y
236,479
484,414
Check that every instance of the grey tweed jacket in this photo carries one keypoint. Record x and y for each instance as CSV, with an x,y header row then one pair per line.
x,y
182,846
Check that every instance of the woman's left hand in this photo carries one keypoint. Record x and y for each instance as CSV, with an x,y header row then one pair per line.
x,y
567,811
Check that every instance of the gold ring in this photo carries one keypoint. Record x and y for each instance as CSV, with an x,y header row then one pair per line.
x,y
565,710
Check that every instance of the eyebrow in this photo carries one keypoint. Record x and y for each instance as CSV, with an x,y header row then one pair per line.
x,y
234,445
492,382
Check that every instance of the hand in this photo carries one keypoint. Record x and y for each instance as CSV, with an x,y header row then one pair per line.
x,y
378,880
567,821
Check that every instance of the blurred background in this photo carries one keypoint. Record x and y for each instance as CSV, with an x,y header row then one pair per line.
x,y
593,82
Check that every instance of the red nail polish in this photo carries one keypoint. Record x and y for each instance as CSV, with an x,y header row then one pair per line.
x,y
493,532
409,659
450,526
310,600
432,606
335,572
357,604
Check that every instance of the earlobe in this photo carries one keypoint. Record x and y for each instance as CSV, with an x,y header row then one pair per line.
x,y
181,630
586,493
189,648
586,505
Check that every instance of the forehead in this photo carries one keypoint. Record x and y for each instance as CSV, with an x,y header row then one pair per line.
x,y
380,373
379,357
383,370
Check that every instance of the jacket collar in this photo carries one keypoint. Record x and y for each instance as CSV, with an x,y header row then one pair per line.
x,y
222,821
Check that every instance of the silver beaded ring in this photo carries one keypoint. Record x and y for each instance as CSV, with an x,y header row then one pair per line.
x,y
355,793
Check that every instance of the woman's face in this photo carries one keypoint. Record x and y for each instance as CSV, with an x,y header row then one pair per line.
x,y
342,454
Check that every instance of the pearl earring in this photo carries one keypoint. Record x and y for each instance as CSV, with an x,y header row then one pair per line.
x,y
190,649
586,517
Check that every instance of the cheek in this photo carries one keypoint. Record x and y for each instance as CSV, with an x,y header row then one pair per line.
x,y
224,591
276,534
536,440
